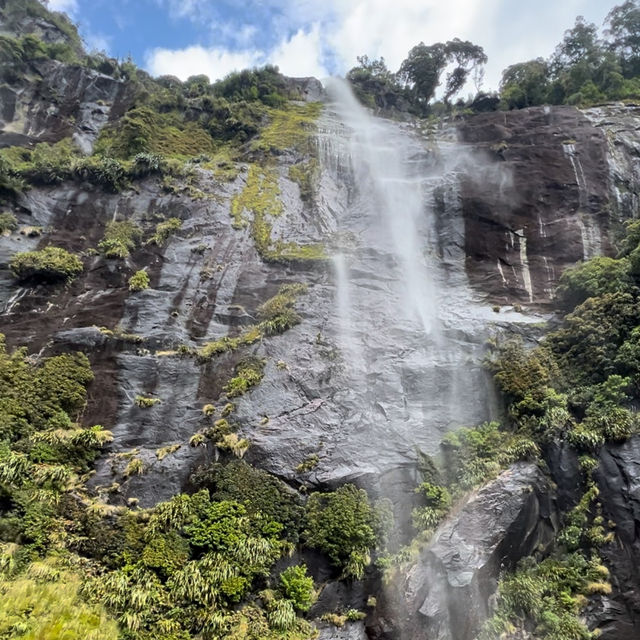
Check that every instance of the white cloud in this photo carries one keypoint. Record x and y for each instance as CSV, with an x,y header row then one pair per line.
x,y
216,63
68,6
301,55
97,42
333,33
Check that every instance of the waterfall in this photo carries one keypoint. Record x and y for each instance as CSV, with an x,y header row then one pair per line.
x,y
410,333
392,178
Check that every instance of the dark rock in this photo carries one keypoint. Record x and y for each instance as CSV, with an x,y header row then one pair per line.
x,y
445,594
538,201
618,478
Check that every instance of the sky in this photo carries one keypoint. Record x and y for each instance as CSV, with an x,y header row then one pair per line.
x,y
318,37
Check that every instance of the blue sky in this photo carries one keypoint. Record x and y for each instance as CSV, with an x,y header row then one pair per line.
x,y
318,37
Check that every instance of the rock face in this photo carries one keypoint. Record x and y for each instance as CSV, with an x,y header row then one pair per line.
x,y
618,478
445,594
505,202
552,207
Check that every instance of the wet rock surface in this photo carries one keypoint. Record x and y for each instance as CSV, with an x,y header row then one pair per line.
x,y
618,478
509,201
444,595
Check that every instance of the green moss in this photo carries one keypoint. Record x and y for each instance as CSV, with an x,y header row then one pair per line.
x,y
290,127
139,281
145,402
52,264
305,175
164,230
248,374
143,130
120,239
260,196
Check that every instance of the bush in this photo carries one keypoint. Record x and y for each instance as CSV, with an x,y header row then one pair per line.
x,y
258,491
297,586
249,373
139,281
165,230
8,222
120,238
341,524
52,264
593,278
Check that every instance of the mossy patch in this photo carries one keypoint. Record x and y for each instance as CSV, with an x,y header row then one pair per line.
x,y
289,127
52,264
120,238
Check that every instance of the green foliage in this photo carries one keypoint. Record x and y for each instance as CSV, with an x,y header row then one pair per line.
x,y
545,597
44,164
593,278
8,223
437,505
342,525
139,281
164,230
145,402
374,85
104,171
45,603
297,586
146,131
120,238
422,68
266,85
259,492
248,374
474,456
51,264
585,69
587,344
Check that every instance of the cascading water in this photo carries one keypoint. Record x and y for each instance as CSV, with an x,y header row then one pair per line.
x,y
402,297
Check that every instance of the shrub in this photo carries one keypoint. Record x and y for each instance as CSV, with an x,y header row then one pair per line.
x,y
139,281
165,230
341,524
46,603
593,278
144,402
297,586
8,222
258,491
52,264
249,373
101,170
120,238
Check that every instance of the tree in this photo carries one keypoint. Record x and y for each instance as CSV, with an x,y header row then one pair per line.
x,y
374,84
525,84
624,32
467,57
424,65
